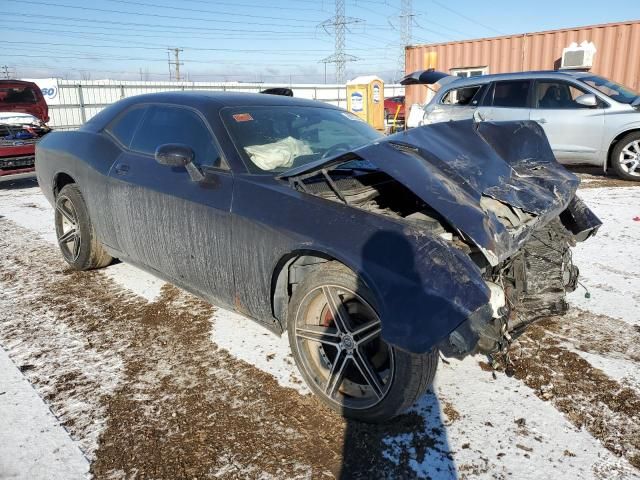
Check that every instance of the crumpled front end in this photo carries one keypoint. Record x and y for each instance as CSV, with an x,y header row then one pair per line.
x,y
491,191
530,285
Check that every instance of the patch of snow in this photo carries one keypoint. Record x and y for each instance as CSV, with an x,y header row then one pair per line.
x,y
33,444
246,340
27,207
608,262
486,436
138,281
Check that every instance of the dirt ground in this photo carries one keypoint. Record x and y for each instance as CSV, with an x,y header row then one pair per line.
x,y
183,402
147,394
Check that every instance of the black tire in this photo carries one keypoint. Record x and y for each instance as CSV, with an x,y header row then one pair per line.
x,y
405,376
629,143
74,232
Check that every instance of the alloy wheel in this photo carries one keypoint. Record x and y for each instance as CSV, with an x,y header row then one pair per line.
x,y
338,336
68,229
629,158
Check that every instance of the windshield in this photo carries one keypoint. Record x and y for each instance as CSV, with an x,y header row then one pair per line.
x,y
277,138
611,89
17,95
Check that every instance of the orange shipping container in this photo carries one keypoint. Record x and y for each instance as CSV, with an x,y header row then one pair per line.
x,y
617,56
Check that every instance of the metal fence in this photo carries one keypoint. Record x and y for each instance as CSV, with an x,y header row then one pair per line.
x,y
78,101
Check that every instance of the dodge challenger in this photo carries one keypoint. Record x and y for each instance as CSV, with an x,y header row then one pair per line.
x,y
373,254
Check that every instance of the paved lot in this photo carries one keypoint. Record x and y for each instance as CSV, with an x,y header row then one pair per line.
x,y
151,382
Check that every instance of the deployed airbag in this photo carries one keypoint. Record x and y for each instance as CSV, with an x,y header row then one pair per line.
x,y
280,154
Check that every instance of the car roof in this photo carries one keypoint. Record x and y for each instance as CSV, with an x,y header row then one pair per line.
x,y
202,100
17,84
482,79
222,99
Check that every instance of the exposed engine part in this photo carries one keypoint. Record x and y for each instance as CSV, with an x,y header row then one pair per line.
x,y
537,279
528,286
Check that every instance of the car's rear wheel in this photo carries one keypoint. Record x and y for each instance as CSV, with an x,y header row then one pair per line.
x,y
74,231
335,336
625,157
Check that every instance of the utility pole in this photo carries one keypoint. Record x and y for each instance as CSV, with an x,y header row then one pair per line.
x,y
325,61
176,62
5,71
338,23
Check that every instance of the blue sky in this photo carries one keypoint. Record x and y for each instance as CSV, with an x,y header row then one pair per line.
x,y
252,40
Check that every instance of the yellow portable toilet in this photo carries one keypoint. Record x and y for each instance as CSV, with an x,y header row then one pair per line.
x,y
365,98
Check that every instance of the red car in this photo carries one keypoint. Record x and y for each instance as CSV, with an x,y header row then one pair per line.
x,y
391,106
23,121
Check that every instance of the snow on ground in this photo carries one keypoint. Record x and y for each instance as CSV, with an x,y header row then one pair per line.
x,y
484,434
498,427
253,343
33,444
609,264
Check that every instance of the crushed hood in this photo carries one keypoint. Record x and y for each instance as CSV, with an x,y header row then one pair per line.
x,y
493,181
17,96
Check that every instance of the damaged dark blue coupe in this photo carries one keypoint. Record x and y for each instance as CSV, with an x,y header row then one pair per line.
x,y
372,253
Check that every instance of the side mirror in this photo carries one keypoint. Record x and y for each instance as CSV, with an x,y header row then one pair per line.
x,y
179,155
174,155
588,100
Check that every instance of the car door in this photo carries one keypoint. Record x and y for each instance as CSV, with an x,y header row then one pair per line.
x,y
575,131
165,220
506,100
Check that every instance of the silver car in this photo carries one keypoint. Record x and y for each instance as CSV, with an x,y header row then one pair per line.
x,y
588,119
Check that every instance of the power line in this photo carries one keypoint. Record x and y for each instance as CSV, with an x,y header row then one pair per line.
x,y
472,20
209,2
215,12
147,14
164,28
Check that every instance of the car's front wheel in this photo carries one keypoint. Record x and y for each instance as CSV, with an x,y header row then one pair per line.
x,y
335,336
74,231
625,157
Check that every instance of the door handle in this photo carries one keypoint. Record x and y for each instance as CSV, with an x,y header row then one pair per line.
x,y
122,169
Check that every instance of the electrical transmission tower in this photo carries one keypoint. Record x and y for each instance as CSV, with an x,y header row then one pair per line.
x,y
176,62
338,24
406,29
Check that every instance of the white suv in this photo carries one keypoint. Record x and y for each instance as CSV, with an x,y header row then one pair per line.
x,y
588,119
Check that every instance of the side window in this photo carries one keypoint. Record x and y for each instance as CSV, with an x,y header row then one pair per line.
x,y
511,94
463,96
124,126
552,94
167,124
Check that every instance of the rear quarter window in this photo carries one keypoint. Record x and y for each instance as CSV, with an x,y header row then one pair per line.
x,y
462,96
125,125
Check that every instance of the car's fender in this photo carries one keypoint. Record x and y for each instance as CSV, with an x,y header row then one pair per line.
x,y
423,286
